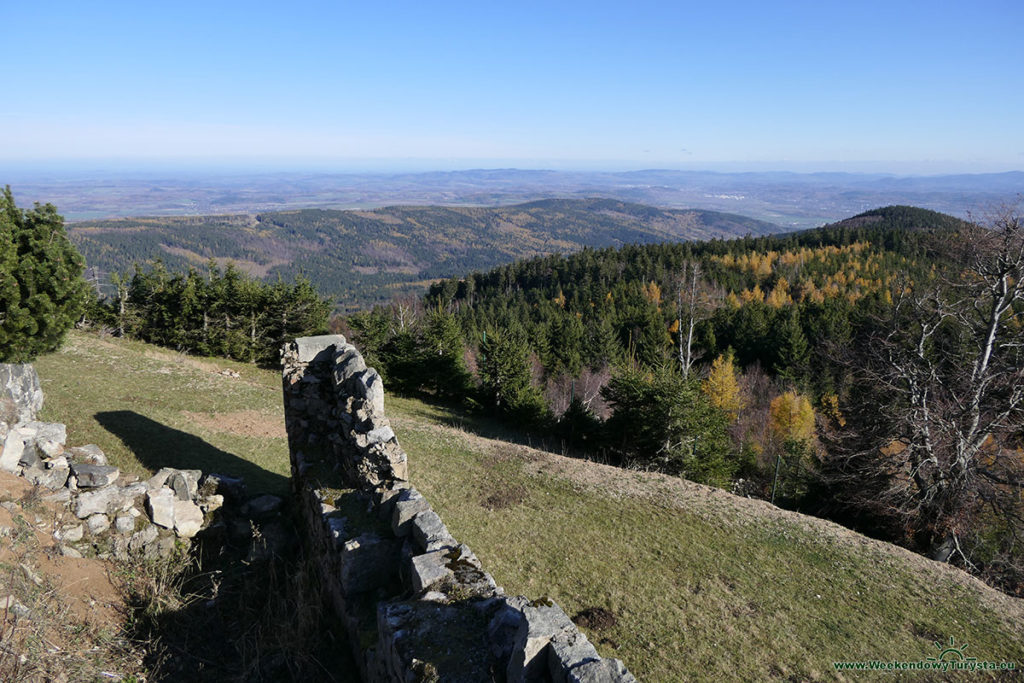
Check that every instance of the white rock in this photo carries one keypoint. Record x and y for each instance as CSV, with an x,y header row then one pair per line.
x,y
188,518
160,506
98,523
13,449
50,437
70,534
11,604
308,348
103,500
124,523
89,453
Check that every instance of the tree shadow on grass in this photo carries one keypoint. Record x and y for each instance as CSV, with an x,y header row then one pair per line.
x,y
156,445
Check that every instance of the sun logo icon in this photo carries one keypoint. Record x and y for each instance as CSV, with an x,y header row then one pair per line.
x,y
951,652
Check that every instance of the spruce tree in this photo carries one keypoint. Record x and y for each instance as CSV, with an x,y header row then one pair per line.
x,y
441,358
42,291
505,376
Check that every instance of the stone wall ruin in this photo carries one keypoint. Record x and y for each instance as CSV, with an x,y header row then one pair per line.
x,y
104,512
416,603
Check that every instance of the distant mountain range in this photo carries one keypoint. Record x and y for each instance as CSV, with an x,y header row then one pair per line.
x,y
792,200
362,256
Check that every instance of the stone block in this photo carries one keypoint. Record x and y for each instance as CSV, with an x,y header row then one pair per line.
x,y
50,437
262,506
97,523
89,454
105,500
375,436
541,623
124,523
211,503
368,386
400,467
308,349
160,506
567,651
429,570
19,383
94,476
13,449
30,456
142,538
368,562
61,496
188,479
384,500
70,534
188,518
430,533
47,478
61,462
408,504
180,485
347,364
503,627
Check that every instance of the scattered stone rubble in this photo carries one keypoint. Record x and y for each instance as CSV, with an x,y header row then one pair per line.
x,y
110,514
416,603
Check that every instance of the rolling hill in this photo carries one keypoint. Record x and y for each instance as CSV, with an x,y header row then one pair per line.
x,y
360,257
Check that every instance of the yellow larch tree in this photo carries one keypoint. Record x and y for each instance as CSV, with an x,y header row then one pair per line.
x,y
791,418
722,387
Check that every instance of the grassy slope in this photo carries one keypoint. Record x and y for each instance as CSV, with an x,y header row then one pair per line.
x,y
704,585
148,407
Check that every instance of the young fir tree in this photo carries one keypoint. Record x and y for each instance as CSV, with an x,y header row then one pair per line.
x,y
506,380
42,291
790,346
661,420
441,356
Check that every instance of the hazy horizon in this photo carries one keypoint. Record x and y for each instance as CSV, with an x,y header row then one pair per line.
x,y
181,169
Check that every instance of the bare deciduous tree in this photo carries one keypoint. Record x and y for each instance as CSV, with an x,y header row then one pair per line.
x,y
943,395
695,300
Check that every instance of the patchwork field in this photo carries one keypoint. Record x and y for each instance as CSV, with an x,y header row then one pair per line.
x,y
681,581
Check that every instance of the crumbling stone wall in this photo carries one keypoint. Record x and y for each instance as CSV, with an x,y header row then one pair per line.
x,y
417,604
105,512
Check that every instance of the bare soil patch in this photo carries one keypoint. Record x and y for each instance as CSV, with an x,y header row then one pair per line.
x,y
505,497
242,423
596,618
81,585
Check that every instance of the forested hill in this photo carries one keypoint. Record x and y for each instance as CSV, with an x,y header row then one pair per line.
x,y
775,300
892,230
359,257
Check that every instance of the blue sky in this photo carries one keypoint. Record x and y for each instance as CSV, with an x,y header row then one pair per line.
x,y
903,86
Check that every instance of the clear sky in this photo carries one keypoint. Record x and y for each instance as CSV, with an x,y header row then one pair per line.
x,y
833,85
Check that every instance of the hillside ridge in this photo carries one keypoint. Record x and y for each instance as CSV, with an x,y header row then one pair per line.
x,y
363,256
